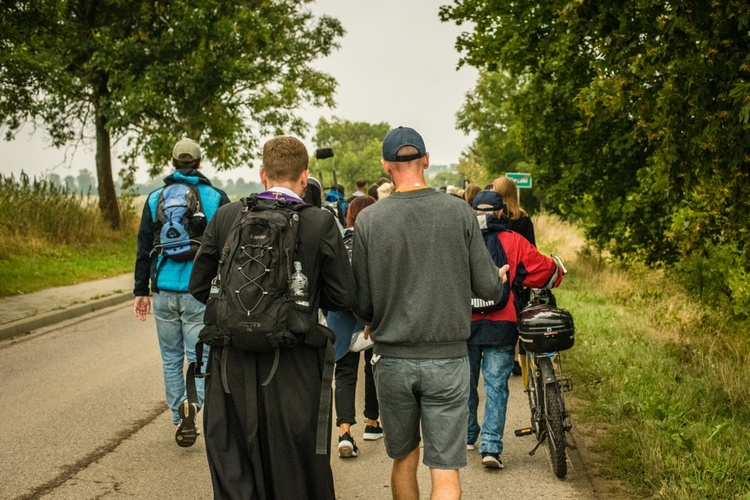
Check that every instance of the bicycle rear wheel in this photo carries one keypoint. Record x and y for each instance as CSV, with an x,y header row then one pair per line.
x,y
554,416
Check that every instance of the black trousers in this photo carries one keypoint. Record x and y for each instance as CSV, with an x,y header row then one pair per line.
x,y
346,385
260,440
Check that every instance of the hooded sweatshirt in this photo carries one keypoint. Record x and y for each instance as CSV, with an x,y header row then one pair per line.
x,y
164,273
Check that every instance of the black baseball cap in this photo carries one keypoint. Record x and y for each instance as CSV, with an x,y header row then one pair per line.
x,y
397,139
488,201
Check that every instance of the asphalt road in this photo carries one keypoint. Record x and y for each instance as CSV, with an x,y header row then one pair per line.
x,y
83,417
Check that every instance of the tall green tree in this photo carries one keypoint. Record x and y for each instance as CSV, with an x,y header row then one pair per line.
x,y
636,115
357,151
470,167
488,111
147,73
445,179
70,183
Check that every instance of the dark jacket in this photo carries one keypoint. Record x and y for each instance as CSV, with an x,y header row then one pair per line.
x,y
522,226
261,436
170,275
321,252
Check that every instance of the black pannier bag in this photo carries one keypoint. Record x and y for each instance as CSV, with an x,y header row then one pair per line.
x,y
542,328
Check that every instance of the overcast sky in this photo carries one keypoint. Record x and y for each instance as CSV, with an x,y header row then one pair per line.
x,y
397,64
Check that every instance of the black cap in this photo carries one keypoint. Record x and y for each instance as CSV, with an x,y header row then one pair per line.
x,y
397,139
488,201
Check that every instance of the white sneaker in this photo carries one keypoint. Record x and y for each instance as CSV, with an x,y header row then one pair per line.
x,y
359,342
492,461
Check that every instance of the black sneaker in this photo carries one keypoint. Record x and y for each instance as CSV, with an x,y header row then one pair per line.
x,y
372,433
187,434
492,461
347,447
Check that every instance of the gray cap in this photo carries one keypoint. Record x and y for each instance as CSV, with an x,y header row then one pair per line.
x,y
186,150
397,139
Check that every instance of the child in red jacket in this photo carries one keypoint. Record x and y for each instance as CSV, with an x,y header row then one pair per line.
x,y
494,334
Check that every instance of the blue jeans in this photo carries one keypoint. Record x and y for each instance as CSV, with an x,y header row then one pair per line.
x,y
179,320
496,363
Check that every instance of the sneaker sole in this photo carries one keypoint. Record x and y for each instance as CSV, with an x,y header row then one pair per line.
x,y
346,450
186,434
372,437
491,463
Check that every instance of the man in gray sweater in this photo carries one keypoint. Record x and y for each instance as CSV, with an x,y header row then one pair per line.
x,y
417,255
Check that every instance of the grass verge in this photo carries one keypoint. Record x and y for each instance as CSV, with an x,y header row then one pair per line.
x,y
51,236
66,265
665,376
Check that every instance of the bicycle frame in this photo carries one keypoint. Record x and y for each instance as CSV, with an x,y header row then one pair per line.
x,y
549,418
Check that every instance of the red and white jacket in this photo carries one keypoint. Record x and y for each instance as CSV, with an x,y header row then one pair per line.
x,y
528,268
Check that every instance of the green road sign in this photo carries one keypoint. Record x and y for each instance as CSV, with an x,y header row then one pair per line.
x,y
522,180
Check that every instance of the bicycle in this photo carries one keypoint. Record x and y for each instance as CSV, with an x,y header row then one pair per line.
x,y
544,331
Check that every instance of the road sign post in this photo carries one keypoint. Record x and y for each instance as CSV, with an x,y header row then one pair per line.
x,y
521,179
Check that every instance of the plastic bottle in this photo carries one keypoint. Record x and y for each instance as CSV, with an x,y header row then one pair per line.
x,y
298,286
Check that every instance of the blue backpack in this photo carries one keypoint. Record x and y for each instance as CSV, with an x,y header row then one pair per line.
x,y
180,222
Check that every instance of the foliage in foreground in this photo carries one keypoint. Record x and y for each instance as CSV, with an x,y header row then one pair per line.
x,y
148,73
634,117
667,375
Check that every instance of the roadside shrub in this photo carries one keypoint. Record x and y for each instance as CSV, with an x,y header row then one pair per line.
x,y
661,357
39,217
717,275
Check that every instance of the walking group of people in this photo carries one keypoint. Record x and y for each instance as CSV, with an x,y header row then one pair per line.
x,y
375,283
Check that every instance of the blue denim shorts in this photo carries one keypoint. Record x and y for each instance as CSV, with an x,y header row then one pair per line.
x,y
434,392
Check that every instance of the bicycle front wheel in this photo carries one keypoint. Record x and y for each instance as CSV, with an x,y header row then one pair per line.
x,y
554,416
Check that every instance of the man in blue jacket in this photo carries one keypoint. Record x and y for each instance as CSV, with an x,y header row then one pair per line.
x,y
179,317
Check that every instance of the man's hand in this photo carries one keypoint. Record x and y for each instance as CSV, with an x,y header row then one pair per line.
x,y
142,307
366,335
503,272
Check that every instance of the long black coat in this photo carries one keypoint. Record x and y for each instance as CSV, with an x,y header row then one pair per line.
x,y
260,440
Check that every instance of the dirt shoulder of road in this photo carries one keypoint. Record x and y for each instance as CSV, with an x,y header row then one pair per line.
x,y
588,437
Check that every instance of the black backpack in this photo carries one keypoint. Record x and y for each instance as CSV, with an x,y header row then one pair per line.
x,y
498,256
253,304
180,222
260,302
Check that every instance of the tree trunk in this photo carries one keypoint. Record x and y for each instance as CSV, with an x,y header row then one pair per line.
x,y
106,186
